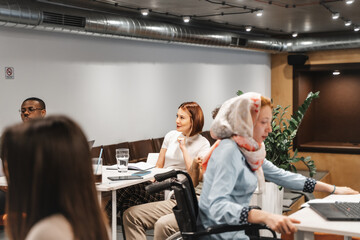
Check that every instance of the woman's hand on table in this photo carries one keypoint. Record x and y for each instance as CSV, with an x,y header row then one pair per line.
x,y
345,191
278,223
281,224
333,189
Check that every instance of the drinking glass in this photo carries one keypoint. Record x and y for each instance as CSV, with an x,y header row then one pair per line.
x,y
122,159
97,168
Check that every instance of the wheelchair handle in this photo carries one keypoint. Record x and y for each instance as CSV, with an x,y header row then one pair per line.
x,y
162,176
158,186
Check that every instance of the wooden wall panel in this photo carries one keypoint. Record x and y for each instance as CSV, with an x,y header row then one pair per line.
x,y
334,56
344,168
281,80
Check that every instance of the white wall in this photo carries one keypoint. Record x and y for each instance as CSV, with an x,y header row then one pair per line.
x,y
117,89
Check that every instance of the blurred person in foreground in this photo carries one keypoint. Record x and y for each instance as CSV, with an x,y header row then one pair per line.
x,y
51,188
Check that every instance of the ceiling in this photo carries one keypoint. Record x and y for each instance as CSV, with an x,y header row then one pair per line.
x,y
212,23
280,18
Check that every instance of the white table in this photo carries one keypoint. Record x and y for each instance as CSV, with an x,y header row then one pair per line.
x,y
312,222
108,185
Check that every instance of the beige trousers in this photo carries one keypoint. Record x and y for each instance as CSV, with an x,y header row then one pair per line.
x,y
156,215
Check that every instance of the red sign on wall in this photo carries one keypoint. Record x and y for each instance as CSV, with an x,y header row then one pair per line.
x,y
9,73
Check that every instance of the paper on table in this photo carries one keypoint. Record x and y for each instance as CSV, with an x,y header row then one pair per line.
x,y
140,166
152,158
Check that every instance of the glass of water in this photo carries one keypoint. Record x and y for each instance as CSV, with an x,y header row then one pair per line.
x,y
97,164
122,159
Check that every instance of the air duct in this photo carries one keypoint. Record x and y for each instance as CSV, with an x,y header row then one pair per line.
x,y
38,15
345,41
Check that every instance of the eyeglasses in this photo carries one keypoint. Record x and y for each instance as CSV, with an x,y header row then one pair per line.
x,y
30,110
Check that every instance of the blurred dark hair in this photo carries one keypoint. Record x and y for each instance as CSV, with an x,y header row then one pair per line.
x,y
215,112
48,168
196,115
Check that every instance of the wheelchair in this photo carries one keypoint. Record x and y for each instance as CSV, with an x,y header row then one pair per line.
x,y
187,208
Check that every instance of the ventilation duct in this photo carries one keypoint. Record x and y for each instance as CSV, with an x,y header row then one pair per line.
x,y
63,19
39,15
344,41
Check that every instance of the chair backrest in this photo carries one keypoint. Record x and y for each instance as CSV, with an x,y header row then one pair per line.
x,y
186,210
139,150
95,151
207,135
158,143
110,150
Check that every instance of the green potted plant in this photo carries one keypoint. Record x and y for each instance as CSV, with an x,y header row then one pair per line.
x,y
279,143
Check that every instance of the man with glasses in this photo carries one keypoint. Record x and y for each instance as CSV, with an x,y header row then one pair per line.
x,y
32,108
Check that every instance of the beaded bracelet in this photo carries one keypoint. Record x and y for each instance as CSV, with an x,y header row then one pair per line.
x,y
333,190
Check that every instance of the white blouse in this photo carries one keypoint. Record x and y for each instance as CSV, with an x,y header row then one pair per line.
x,y
196,145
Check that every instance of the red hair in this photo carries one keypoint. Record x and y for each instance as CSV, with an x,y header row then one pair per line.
x,y
266,102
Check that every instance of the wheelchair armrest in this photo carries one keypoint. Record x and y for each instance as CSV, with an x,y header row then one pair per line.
x,y
227,228
163,176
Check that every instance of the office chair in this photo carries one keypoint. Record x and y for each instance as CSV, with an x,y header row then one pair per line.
x,y
187,208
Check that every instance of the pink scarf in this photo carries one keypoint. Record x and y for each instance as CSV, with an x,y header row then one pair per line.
x,y
254,152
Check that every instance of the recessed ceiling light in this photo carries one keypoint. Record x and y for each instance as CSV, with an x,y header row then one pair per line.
x,y
335,15
349,1
336,72
259,13
144,11
186,19
356,29
347,23
248,28
295,34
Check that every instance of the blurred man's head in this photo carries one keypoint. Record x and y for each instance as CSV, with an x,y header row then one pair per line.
x,y
32,108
